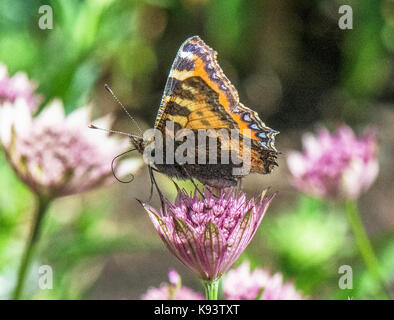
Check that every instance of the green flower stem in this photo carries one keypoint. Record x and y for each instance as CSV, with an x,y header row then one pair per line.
x,y
211,289
363,242
42,208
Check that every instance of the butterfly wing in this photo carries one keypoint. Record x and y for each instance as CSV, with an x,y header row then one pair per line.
x,y
198,95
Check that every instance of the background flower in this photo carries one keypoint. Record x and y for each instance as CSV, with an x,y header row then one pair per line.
x,y
209,234
57,155
172,290
243,284
18,86
238,284
335,164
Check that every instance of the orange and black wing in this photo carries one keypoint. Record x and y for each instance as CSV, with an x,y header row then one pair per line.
x,y
198,95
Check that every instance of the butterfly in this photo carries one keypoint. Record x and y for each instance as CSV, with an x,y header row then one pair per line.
x,y
198,96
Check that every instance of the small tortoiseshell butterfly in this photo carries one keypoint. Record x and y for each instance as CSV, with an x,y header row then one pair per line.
x,y
199,96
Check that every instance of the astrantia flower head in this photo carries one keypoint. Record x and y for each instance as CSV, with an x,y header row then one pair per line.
x,y
209,234
243,284
57,155
18,86
335,165
172,291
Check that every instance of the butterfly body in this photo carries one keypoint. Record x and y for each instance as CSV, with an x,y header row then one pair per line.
x,y
197,97
216,175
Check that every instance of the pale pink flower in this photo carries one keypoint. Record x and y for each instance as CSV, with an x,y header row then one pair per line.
x,y
208,235
58,155
335,165
243,284
238,284
18,86
164,293
172,291
174,277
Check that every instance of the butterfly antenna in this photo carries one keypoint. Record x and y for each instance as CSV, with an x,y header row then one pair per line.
x,y
113,167
92,126
123,107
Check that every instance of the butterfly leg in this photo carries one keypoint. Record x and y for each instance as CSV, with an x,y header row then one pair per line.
x,y
155,170
199,191
240,184
153,181
151,187
192,180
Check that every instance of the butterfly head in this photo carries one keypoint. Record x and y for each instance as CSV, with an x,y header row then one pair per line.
x,y
138,142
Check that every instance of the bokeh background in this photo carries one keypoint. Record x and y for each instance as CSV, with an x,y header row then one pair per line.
x,y
289,61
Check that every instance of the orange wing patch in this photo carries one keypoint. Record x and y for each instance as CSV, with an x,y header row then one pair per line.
x,y
212,100
196,60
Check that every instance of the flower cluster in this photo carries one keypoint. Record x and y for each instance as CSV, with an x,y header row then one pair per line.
x,y
209,234
243,284
172,290
238,284
335,165
53,154
18,86
57,155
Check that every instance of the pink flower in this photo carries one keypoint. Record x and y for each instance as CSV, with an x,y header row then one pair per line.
x,y
208,235
57,155
335,165
172,291
242,284
238,284
18,86
174,277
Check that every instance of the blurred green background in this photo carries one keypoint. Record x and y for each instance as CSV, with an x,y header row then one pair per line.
x,y
289,61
